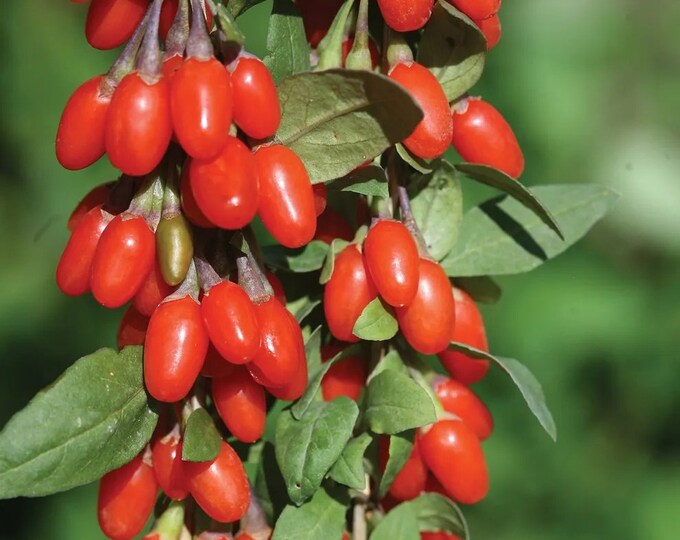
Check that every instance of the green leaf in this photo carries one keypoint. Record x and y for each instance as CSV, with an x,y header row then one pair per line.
x,y
313,351
437,203
396,403
482,289
321,518
305,259
286,42
437,513
335,120
401,523
453,49
330,47
501,236
369,181
239,7
337,245
417,163
349,469
94,418
400,448
498,179
270,487
528,385
306,449
302,307
376,322
202,441
391,360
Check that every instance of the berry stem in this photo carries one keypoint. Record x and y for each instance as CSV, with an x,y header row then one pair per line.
x,y
149,58
176,41
199,45
206,274
330,48
397,51
251,278
360,55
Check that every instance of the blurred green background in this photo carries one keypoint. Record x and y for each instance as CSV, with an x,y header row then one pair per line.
x,y
592,90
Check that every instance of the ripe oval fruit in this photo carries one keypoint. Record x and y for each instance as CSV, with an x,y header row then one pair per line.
x,y
124,257
110,23
220,486
344,378
481,135
256,103
391,256
491,28
132,328
189,205
152,291
458,399
454,455
428,321
95,197
432,136
438,536
295,387
410,481
477,9
75,265
226,188
126,499
201,106
406,15
138,126
175,348
277,286
214,365
286,205
320,198
241,404
168,466
469,329
348,291
80,136
332,225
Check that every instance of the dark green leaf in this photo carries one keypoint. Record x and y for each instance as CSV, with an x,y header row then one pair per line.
x,y
401,523
437,203
322,518
499,180
417,163
369,180
302,307
92,419
239,7
501,236
482,289
306,259
349,469
286,41
391,360
270,487
400,448
229,31
313,351
335,120
306,449
396,403
376,322
201,439
337,245
528,385
453,48
437,513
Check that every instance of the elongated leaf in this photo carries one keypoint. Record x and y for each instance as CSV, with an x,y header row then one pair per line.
x,y
400,448
313,351
349,469
335,120
437,513
498,179
92,419
437,203
302,307
306,449
337,245
306,259
376,322
528,385
286,41
202,441
396,403
321,518
417,163
502,236
369,180
330,47
482,289
239,7
401,523
453,49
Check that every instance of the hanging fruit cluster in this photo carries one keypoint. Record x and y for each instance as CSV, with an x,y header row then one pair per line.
x,y
301,330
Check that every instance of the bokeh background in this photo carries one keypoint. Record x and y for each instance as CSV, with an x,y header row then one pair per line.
x,y
593,92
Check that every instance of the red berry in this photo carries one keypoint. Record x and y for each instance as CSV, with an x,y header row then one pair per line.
x,y
152,291
220,486
96,197
138,126
320,198
75,265
406,15
277,286
347,293
132,328
481,135
214,365
241,404
469,329
124,257
286,205
110,23
344,378
477,9
391,256
256,103
279,356
126,499
171,66
175,348
438,536
80,136
458,399
428,321
298,384
410,481
168,465
432,135
189,205
226,188
491,28
317,17
331,225
201,106
454,455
